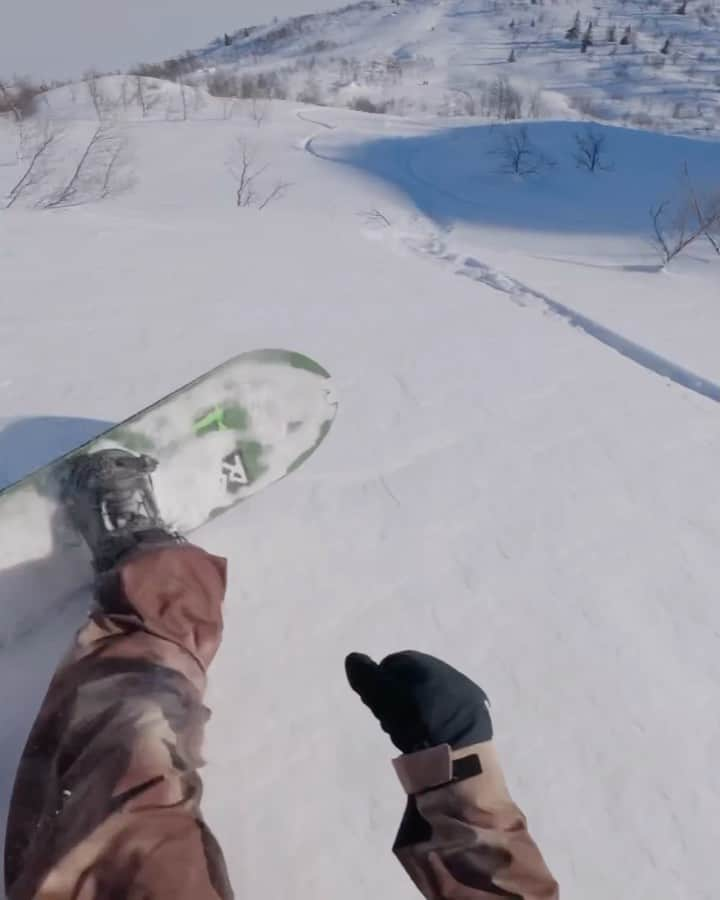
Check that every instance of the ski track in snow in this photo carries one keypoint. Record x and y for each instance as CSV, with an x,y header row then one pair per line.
x,y
524,295
473,268
310,121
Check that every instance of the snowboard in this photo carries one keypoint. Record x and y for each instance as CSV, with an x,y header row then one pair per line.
x,y
218,440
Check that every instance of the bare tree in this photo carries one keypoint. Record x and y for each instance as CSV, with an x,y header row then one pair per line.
x,y
95,93
706,210
278,191
185,65
259,111
692,218
375,217
246,172
113,158
28,177
140,94
68,192
92,176
590,150
573,32
146,96
183,99
519,155
501,99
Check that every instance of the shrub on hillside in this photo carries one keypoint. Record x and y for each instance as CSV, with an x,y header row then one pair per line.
x,y
20,98
320,47
263,86
168,70
501,99
311,93
365,104
222,84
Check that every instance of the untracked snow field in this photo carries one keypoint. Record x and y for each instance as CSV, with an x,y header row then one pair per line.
x,y
522,477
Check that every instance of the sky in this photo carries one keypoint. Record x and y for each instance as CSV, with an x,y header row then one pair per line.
x,y
48,39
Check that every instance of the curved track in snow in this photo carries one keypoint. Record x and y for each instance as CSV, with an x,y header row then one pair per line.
x,y
479,271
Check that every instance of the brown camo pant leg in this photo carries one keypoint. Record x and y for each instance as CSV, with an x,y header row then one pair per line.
x,y
106,803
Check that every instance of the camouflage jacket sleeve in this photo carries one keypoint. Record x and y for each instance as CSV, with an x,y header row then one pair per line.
x,y
462,837
107,796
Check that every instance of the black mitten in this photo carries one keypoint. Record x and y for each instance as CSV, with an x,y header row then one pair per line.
x,y
421,701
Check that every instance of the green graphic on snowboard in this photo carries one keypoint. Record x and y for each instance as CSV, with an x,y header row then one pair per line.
x,y
218,440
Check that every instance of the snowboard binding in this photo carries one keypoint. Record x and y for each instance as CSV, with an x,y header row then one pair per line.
x,y
109,498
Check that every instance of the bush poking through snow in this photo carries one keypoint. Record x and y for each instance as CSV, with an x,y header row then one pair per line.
x,y
169,70
677,226
19,98
265,85
590,150
311,93
222,84
519,156
375,217
365,104
321,46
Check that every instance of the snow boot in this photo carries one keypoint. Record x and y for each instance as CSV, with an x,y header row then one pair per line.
x,y
109,498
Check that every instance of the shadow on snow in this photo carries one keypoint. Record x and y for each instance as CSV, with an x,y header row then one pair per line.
x,y
28,444
455,175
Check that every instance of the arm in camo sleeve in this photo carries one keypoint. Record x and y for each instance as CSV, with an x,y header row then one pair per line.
x,y
462,837
106,800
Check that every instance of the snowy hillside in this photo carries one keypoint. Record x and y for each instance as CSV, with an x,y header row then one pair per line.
x,y
522,474
648,64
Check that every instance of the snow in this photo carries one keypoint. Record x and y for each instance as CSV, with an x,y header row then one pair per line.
x,y
438,56
500,488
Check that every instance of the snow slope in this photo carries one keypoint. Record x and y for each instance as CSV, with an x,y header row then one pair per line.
x,y
443,56
501,487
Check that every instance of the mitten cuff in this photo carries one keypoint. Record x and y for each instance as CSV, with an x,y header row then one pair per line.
x,y
435,767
